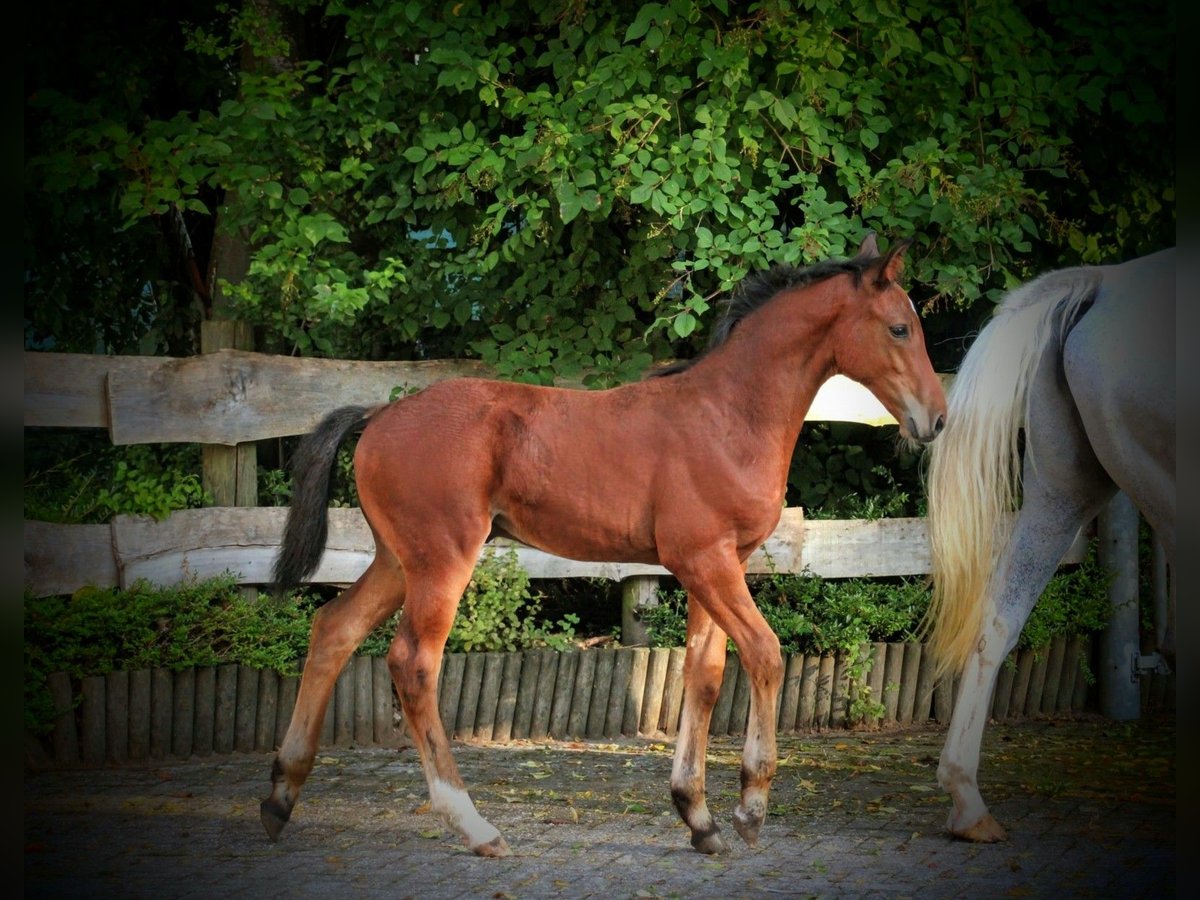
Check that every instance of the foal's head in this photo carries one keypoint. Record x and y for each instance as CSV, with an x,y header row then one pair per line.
x,y
878,341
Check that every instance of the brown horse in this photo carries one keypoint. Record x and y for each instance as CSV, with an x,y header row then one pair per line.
x,y
687,471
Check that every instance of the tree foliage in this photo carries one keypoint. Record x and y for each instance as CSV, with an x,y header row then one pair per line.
x,y
561,187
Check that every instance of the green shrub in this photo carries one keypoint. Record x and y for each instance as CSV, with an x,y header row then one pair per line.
x,y
498,612
71,479
810,614
198,623
206,623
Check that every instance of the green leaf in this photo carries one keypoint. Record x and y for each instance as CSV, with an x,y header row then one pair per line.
x,y
684,324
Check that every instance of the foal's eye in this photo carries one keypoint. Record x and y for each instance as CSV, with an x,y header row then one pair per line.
x,y
899,331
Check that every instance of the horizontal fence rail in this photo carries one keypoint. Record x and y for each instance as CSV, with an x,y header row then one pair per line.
x,y
204,543
235,396
597,694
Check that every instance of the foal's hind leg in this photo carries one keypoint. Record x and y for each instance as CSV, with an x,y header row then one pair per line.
x,y
337,630
702,668
415,659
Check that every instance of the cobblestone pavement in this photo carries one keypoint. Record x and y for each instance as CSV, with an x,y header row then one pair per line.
x,y
1089,806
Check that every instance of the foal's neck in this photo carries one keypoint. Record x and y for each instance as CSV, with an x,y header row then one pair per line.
x,y
776,359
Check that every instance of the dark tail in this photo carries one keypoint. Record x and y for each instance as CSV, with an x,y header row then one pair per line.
x,y
308,519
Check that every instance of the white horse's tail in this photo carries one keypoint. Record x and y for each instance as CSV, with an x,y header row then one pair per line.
x,y
973,481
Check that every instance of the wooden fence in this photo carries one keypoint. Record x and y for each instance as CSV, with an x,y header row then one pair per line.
x,y
598,694
232,397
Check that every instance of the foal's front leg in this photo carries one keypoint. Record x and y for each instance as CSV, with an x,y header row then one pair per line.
x,y
716,580
703,665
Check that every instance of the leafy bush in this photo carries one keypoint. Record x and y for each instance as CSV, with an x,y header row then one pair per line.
x,y
199,623
498,612
71,479
813,615
208,623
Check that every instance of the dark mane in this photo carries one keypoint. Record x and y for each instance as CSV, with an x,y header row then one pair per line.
x,y
753,292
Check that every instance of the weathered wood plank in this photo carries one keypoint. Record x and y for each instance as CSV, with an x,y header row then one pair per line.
x,y
383,729
203,543
893,669
231,396
60,559
923,709
527,694
636,694
67,390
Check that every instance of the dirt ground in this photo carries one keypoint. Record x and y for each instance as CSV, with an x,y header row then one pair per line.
x,y
1089,805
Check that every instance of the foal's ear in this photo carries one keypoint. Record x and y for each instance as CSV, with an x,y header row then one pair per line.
x,y
888,269
868,249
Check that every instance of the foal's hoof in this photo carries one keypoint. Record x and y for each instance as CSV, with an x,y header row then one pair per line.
x,y
710,842
985,831
496,848
747,826
274,817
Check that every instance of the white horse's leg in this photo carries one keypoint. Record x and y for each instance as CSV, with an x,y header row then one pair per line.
x,y
1064,487
1042,535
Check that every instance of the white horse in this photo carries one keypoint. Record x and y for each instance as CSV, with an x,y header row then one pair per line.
x,y
1083,360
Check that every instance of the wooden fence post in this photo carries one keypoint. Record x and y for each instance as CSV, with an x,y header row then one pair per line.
x,y
638,592
229,474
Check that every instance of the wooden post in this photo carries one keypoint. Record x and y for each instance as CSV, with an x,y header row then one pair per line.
x,y
789,694
581,695
652,699
183,712
450,689
66,735
618,692
229,474
1120,697
636,693
722,709
543,703
601,688
162,702
638,592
